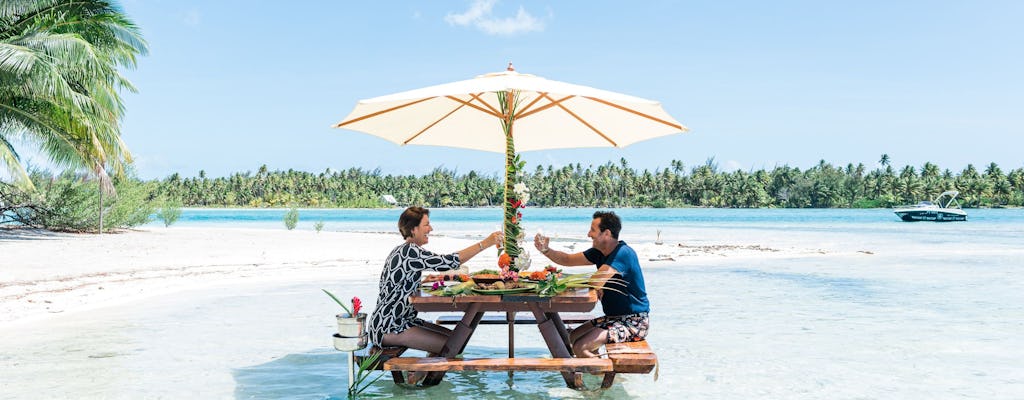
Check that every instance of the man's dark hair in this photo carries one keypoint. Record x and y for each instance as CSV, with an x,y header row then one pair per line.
x,y
410,219
609,221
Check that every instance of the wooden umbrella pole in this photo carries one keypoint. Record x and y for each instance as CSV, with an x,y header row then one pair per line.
x,y
507,101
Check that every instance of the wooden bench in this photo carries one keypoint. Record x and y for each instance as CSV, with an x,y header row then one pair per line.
x,y
436,364
524,319
629,358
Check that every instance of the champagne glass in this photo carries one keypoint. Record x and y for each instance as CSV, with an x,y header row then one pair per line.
x,y
540,236
501,240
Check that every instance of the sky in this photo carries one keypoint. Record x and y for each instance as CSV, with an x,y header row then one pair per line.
x,y
231,85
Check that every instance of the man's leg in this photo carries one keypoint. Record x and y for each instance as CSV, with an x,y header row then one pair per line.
x,y
580,331
590,342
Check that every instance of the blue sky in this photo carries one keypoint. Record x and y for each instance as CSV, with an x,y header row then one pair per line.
x,y
231,85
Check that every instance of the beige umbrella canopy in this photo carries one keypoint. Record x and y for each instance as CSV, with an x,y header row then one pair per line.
x,y
506,112
549,115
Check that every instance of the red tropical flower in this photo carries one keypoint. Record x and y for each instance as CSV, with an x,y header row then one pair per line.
x,y
356,305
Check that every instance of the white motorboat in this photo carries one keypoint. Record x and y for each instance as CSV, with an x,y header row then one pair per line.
x,y
943,208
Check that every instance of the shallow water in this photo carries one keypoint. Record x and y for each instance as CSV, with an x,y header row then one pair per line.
x,y
926,311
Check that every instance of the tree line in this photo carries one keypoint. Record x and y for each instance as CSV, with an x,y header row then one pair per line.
x,y
610,185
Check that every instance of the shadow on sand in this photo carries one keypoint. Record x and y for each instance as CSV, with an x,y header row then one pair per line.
x,y
8,233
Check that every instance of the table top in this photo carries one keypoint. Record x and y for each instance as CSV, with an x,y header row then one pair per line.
x,y
572,300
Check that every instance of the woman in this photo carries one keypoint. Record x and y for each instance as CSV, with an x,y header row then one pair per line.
x,y
394,321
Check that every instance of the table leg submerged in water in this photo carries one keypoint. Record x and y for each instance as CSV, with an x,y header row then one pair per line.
x,y
555,335
458,341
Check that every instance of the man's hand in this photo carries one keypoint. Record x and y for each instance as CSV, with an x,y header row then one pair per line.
x,y
541,243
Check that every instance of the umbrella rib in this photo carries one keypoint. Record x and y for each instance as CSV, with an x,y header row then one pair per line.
x,y
588,125
413,137
527,108
343,123
489,106
546,106
466,103
630,110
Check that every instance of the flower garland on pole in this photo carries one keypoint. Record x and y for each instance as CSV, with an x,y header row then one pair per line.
x,y
516,194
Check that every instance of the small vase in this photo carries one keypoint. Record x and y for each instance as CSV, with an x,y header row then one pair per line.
x,y
351,327
342,343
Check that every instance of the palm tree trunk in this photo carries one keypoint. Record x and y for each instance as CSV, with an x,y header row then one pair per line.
x,y
101,206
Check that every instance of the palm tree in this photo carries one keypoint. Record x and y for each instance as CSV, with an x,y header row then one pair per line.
x,y
59,65
884,160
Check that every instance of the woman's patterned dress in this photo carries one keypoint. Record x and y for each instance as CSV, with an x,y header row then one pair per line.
x,y
399,280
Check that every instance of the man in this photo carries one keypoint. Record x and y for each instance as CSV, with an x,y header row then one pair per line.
x,y
624,301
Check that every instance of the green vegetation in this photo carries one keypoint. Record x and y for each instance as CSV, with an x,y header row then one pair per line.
x,y
59,84
291,218
611,185
69,202
362,375
318,226
169,212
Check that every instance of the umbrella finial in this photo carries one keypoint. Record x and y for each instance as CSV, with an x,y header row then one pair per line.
x,y
510,67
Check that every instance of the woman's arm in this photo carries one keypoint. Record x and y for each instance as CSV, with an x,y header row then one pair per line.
x,y
478,247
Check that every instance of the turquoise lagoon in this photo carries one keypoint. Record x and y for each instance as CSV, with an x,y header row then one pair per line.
x,y
833,304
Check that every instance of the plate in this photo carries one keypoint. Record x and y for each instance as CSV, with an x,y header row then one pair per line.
x,y
443,283
522,289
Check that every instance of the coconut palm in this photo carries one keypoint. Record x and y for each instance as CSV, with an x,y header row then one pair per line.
x,y
59,83
884,161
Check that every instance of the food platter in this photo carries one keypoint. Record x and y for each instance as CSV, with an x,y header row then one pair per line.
x,y
485,278
442,283
521,289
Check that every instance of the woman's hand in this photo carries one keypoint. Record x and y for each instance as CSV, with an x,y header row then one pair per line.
x,y
494,239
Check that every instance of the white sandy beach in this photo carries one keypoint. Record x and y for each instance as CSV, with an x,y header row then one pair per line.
x,y
45,274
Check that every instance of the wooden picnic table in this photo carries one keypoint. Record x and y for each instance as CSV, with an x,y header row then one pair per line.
x,y
546,313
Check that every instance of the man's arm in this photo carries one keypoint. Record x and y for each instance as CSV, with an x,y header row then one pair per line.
x,y
559,257
566,259
603,274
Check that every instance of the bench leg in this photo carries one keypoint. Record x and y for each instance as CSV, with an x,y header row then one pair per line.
x,y
609,379
510,317
397,377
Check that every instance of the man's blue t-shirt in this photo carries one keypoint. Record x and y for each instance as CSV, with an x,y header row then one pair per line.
x,y
633,298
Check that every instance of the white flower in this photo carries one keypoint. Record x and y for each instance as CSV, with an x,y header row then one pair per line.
x,y
523,261
525,198
520,189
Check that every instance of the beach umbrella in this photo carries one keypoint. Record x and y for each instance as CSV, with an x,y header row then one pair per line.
x,y
506,112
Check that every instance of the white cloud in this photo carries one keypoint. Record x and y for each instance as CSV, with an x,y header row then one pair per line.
x,y
480,15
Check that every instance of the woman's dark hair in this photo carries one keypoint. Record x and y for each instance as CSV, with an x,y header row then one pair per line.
x,y
609,221
410,219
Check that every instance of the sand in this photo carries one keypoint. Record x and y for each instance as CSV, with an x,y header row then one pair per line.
x,y
45,274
